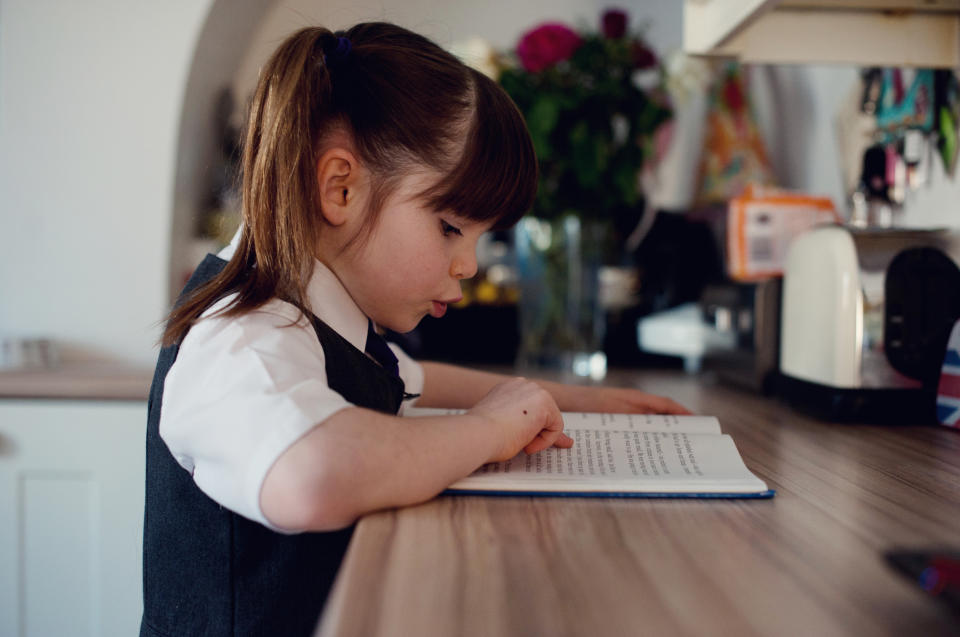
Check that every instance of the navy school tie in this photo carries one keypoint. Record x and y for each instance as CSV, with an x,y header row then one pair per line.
x,y
377,348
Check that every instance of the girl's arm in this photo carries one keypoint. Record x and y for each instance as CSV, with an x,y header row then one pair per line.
x,y
458,387
358,460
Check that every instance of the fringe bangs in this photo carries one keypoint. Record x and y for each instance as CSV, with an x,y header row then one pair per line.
x,y
496,175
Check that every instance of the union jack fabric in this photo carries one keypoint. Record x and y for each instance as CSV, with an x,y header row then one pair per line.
x,y
948,391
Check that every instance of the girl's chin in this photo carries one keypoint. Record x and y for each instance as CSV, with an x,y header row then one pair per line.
x,y
404,326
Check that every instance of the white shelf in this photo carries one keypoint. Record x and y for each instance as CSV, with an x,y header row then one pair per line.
x,y
921,33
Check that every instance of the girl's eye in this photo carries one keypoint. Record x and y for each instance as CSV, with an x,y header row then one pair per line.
x,y
448,229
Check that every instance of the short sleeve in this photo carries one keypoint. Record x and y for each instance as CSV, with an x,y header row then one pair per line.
x,y
242,390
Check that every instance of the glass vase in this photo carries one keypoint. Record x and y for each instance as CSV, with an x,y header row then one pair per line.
x,y
562,321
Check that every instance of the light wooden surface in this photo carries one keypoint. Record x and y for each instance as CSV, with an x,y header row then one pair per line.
x,y
89,381
807,562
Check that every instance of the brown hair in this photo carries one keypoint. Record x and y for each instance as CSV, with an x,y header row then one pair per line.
x,y
405,103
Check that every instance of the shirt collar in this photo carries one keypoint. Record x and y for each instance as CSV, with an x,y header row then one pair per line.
x,y
228,250
329,300
332,304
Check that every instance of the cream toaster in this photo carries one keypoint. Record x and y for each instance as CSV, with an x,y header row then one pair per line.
x,y
836,332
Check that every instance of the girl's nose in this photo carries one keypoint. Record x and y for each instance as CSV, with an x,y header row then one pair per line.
x,y
464,265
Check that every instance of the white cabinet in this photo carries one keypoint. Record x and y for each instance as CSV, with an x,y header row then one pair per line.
x,y
71,517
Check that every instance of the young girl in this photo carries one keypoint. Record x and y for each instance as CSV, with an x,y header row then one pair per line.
x,y
373,162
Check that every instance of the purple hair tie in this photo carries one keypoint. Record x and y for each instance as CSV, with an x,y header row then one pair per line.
x,y
339,54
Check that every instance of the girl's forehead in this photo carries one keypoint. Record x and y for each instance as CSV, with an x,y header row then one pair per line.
x,y
415,184
418,179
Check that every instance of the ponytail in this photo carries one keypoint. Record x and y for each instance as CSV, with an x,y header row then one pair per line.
x,y
279,190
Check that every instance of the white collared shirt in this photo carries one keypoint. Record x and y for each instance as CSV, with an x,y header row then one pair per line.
x,y
243,389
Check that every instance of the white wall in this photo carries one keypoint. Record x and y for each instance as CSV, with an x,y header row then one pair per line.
x,y
90,98
500,22
797,109
220,48
102,105
797,105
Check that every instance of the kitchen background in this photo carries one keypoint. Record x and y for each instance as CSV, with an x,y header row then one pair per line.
x,y
114,129
107,140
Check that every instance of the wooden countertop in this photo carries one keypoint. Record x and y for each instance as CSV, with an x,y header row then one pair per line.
x,y
88,381
808,562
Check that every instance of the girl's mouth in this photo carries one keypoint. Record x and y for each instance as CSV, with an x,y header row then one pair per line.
x,y
439,308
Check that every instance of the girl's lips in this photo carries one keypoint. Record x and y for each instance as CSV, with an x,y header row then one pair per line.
x,y
440,307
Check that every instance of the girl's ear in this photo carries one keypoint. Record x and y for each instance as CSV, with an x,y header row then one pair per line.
x,y
338,178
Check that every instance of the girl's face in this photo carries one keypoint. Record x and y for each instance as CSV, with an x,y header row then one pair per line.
x,y
413,261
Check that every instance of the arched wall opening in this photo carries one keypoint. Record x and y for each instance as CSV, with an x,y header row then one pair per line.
x,y
220,50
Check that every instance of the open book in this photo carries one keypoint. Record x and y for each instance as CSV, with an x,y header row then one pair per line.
x,y
624,455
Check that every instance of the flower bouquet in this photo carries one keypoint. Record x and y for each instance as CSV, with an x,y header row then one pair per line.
x,y
592,102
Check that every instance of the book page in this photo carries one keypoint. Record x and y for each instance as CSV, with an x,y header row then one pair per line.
x,y
641,422
619,422
624,461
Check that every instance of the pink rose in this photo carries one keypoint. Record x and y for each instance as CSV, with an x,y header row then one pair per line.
x,y
614,23
546,45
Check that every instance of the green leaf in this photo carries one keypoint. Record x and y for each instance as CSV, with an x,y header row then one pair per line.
x,y
624,179
541,120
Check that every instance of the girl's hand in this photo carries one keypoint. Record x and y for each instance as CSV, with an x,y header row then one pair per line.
x,y
619,400
526,415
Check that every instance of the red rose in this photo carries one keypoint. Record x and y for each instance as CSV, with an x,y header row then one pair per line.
x,y
642,56
614,24
546,45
